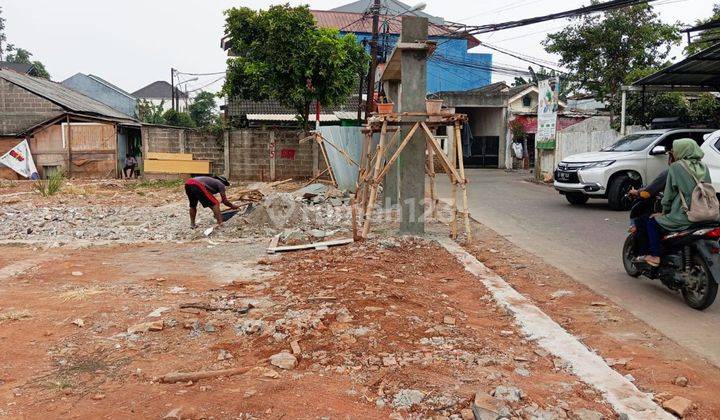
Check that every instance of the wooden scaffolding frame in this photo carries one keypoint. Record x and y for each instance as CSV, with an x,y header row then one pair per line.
x,y
374,167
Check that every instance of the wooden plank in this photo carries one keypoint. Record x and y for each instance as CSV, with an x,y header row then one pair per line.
x,y
178,166
169,156
316,245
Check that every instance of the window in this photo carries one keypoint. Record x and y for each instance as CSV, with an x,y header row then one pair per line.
x,y
527,100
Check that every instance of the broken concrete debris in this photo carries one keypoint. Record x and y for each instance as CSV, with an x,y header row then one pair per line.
x,y
283,360
679,406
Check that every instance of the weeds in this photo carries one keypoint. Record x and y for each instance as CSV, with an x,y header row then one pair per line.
x,y
157,184
51,186
8,183
79,294
14,315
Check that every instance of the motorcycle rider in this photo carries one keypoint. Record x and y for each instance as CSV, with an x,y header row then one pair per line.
x,y
638,223
687,155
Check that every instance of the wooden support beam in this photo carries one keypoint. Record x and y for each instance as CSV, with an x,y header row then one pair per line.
x,y
374,187
463,184
399,150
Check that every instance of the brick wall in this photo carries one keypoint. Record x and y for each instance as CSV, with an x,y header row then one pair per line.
x,y
205,146
20,109
249,151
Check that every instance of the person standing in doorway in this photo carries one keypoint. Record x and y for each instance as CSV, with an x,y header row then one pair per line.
x,y
203,189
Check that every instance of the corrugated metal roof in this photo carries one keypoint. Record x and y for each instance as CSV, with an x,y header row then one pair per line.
x,y
701,69
238,106
59,94
289,117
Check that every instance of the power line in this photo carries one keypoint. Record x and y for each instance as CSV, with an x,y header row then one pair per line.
x,y
594,8
206,85
200,74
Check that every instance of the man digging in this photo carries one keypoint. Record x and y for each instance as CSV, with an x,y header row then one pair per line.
x,y
203,189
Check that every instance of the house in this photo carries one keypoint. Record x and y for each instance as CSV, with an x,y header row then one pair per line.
x,y
160,93
451,67
490,109
103,91
65,129
22,68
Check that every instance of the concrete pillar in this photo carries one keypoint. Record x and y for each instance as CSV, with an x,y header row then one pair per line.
x,y
412,98
504,154
226,153
181,140
391,186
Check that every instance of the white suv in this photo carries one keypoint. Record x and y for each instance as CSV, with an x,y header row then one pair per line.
x,y
634,160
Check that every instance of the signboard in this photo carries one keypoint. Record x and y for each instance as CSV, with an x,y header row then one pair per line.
x,y
547,113
20,160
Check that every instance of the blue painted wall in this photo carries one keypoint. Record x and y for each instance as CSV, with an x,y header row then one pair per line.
x,y
451,67
102,93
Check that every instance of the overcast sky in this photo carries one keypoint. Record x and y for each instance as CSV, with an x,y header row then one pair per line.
x,y
134,42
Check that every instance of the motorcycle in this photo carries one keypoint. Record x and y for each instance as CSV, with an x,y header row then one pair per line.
x,y
690,262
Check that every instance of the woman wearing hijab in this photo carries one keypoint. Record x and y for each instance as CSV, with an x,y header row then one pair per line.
x,y
687,155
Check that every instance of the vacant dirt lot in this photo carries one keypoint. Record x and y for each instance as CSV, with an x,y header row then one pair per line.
x,y
95,326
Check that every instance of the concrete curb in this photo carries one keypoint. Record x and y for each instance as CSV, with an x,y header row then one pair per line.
x,y
536,325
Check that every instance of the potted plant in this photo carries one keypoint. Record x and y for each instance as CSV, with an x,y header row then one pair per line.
x,y
384,107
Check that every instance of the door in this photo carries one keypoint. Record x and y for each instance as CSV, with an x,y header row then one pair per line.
x,y
122,149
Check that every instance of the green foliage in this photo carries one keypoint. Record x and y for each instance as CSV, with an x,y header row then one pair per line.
x,y
3,37
517,130
702,110
178,119
202,109
21,55
705,110
600,49
51,186
149,113
708,37
281,54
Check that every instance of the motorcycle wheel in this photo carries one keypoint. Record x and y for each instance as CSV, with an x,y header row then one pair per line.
x,y
700,291
628,254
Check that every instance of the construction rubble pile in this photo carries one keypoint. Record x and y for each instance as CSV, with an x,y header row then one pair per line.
x,y
309,214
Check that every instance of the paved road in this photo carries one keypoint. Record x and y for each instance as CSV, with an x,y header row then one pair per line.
x,y
585,242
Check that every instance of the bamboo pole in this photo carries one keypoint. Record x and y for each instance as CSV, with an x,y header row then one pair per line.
x,y
380,152
431,174
443,159
327,161
315,178
364,170
453,188
463,184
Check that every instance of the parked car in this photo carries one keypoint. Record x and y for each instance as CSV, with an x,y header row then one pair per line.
x,y
711,148
632,161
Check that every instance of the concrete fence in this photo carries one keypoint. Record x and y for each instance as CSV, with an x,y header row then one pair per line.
x,y
245,154
590,135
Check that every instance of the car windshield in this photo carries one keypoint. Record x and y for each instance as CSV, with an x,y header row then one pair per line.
x,y
632,143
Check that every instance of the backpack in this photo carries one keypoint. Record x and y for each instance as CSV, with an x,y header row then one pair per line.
x,y
705,206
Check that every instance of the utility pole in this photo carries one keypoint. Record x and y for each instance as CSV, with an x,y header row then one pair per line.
x,y
172,89
373,59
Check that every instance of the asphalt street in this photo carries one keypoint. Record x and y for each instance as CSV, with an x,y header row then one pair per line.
x,y
585,242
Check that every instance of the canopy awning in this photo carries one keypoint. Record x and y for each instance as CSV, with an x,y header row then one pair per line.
x,y
699,72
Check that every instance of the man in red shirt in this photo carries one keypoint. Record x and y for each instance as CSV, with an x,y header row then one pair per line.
x,y
203,189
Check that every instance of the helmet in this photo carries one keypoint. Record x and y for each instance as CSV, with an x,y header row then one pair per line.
x,y
223,180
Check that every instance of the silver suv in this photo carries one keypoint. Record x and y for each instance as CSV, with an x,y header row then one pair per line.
x,y
634,160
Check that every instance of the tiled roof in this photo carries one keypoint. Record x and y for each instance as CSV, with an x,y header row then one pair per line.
x,y
357,22
391,7
18,67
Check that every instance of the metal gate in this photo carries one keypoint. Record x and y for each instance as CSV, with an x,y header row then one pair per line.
x,y
484,152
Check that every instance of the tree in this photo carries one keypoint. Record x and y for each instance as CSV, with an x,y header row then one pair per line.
x,y
178,119
21,55
600,50
3,37
150,113
202,109
281,54
707,37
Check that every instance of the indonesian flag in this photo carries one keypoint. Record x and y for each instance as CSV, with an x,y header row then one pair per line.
x,y
20,160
